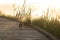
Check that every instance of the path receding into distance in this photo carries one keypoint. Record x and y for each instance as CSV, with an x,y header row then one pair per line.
x,y
9,30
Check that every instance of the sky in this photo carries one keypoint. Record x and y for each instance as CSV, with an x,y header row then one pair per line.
x,y
40,5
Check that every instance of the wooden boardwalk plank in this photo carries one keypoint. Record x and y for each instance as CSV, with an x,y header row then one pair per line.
x,y
12,32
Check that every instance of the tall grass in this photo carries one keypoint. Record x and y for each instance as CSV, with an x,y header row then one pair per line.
x,y
52,26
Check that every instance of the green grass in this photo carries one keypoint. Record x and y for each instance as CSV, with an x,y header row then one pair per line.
x,y
52,26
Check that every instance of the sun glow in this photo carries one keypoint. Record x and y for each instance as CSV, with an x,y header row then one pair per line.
x,y
40,5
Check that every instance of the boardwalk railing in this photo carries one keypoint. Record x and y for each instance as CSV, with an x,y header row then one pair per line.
x,y
48,35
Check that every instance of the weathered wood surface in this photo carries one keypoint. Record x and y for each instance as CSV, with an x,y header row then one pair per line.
x,y
9,30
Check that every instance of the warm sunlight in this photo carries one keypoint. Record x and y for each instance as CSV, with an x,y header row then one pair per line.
x,y
18,2
29,19
40,5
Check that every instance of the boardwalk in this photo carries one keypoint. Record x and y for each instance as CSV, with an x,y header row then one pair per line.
x,y
25,34
9,30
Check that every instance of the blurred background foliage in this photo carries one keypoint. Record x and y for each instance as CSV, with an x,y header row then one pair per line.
x,y
52,26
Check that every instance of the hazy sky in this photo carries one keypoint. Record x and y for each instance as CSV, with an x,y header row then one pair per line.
x,y
41,5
